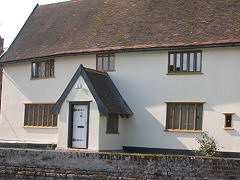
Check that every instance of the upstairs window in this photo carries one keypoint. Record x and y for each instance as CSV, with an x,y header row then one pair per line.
x,y
42,69
185,62
184,116
106,62
38,115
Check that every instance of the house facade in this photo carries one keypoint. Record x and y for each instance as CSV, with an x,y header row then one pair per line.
x,y
137,91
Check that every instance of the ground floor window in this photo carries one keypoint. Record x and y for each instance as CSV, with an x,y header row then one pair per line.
x,y
184,116
112,124
228,120
38,115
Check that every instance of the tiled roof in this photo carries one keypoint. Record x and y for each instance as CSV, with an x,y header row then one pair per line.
x,y
95,25
106,95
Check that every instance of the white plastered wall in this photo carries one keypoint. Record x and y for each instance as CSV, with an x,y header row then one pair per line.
x,y
18,89
143,82
82,94
110,141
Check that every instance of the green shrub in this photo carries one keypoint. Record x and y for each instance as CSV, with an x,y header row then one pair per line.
x,y
50,147
24,145
208,145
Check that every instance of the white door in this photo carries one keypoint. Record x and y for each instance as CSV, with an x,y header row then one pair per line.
x,y
79,136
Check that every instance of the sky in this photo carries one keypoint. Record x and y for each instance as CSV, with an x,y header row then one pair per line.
x,y
13,14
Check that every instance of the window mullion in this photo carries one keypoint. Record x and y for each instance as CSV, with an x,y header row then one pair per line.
x,y
108,62
38,115
45,69
180,118
173,116
33,114
168,62
195,62
181,61
174,62
43,114
195,116
188,61
52,119
47,115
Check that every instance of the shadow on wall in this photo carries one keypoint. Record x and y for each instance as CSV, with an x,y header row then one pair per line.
x,y
13,134
234,132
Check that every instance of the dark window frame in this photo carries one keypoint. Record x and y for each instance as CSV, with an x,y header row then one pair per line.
x,y
102,59
33,118
174,69
112,124
180,129
49,65
226,126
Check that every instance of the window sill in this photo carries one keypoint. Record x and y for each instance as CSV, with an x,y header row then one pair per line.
x,y
184,73
40,127
107,70
183,131
228,128
42,78
112,133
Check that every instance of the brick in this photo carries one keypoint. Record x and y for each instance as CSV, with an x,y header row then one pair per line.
x,y
51,174
30,173
61,175
40,173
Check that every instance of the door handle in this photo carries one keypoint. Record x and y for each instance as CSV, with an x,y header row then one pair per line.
x,y
80,126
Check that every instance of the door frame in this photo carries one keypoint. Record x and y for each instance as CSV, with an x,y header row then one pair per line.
x,y
70,121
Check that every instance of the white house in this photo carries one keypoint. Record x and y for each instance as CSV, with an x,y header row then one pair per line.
x,y
133,75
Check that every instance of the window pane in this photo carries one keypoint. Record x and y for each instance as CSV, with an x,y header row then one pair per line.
x,y
176,116
35,114
109,124
26,115
115,123
99,63
50,122
52,68
47,69
112,123
34,69
198,66
111,63
40,115
31,115
55,120
45,115
199,117
105,63
229,120
191,63
171,63
38,69
42,69
169,115
191,117
184,116
178,62
184,62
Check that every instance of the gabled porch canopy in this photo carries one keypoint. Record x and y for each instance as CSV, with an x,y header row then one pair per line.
x,y
105,93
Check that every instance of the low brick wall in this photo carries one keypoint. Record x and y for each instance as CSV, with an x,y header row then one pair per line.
x,y
38,164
